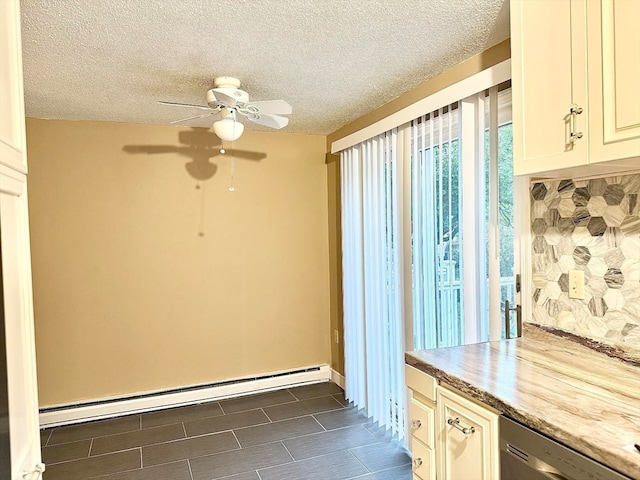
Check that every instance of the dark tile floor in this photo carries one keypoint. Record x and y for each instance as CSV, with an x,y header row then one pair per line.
x,y
307,432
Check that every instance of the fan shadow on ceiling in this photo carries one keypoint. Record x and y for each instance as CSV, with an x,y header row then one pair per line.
x,y
200,145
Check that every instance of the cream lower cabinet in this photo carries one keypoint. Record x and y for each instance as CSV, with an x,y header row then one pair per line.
x,y
452,436
422,421
468,439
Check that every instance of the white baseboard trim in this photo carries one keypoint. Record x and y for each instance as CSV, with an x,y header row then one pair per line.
x,y
337,378
149,401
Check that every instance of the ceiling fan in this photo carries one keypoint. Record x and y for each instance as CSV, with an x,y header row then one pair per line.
x,y
227,99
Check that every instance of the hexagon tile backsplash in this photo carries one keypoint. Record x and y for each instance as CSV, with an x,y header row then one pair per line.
x,y
593,226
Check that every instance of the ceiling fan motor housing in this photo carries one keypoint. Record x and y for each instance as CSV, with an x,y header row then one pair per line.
x,y
240,96
228,88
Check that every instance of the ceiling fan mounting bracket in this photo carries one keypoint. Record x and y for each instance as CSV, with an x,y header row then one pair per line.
x,y
226,82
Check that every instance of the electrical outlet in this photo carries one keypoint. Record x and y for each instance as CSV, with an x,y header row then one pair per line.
x,y
576,284
336,336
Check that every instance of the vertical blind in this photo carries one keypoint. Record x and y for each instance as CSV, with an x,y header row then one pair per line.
x,y
372,269
435,231
462,221
439,193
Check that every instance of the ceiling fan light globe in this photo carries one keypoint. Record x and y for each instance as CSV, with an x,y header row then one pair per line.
x,y
228,129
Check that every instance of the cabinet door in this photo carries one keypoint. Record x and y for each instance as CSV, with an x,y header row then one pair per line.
x,y
548,54
24,435
467,440
614,77
12,138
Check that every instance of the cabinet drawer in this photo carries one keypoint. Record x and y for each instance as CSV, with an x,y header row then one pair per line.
x,y
424,461
422,419
420,382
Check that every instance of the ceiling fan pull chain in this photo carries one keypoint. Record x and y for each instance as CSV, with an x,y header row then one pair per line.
x,y
233,171
233,157
202,204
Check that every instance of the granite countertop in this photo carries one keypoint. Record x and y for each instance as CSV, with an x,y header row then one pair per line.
x,y
585,399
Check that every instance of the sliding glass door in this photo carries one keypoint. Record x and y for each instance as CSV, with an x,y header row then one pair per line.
x,y
435,230
462,221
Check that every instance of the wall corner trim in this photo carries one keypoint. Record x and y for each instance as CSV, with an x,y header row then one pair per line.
x,y
338,379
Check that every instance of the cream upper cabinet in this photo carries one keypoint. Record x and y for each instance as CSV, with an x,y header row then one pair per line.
x,y
546,82
575,71
467,438
614,79
12,131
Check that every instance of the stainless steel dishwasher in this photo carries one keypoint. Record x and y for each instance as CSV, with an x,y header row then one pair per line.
x,y
528,455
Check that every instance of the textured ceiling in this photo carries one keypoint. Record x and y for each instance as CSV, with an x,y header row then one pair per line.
x,y
332,60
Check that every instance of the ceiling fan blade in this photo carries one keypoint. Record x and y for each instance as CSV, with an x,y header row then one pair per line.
x,y
278,107
193,118
268,120
174,104
223,98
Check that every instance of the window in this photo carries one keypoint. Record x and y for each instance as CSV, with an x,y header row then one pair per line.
x,y
435,229
461,220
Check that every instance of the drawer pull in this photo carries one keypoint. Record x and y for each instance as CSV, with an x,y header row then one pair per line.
x,y
417,463
415,424
455,423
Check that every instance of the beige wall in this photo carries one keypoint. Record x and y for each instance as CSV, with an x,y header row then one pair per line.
x,y
130,298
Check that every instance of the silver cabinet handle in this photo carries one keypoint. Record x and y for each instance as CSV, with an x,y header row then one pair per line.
x,y
415,424
574,111
455,423
417,463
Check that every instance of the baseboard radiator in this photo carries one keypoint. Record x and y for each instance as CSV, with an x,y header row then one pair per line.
x,y
149,401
